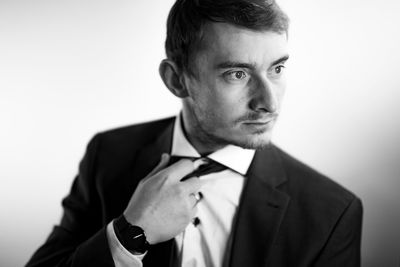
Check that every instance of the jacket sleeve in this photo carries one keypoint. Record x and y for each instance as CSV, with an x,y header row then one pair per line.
x,y
80,239
343,246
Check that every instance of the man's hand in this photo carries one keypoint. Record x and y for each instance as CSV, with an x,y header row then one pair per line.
x,y
163,205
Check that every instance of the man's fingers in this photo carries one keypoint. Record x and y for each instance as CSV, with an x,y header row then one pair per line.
x,y
161,165
192,185
194,198
176,171
182,168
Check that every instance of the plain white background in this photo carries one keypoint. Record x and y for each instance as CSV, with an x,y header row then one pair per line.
x,y
69,69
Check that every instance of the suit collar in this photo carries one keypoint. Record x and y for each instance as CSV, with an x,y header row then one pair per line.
x,y
150,154
261,210
267,167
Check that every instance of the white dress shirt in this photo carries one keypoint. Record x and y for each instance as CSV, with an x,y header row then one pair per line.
x,y
203,245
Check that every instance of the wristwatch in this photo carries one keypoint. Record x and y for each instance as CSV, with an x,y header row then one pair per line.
x,y
132,237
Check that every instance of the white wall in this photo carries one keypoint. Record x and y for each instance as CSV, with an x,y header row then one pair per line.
x,y
71,68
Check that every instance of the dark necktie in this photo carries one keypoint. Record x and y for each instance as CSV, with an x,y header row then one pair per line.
x,y
210,167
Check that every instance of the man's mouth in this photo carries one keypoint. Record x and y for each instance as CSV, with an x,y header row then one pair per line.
x,y
261,120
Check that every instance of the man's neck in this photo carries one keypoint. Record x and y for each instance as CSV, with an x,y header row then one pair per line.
x,y
202,144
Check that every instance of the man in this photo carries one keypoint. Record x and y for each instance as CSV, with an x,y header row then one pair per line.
x,y
134,203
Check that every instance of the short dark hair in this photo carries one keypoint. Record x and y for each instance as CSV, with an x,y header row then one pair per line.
x,y
187,18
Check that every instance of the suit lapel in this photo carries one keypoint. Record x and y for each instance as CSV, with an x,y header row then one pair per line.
x,y
162,254
260,213
150,155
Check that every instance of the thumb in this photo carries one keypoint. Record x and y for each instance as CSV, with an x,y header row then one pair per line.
x,y
161,165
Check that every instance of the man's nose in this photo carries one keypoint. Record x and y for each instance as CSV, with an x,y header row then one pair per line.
x,y
264,96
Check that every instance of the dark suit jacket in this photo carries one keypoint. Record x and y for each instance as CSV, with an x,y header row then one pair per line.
x,y
289,215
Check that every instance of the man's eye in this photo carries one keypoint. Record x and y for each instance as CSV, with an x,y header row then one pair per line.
x,y
279,69
236,75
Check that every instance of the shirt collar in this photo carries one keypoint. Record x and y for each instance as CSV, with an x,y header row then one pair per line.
x,y
233,157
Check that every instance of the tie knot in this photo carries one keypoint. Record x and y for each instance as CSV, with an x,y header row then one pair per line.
x,y
210,167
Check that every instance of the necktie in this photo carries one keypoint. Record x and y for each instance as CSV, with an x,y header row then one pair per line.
x,y
210,167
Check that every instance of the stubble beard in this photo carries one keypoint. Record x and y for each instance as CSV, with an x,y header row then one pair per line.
x,y
209,137
212,140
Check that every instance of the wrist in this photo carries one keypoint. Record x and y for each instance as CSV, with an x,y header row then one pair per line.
x,y
132,237
147,227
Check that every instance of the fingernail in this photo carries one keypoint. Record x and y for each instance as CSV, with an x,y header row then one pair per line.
x,y
164,156
197,163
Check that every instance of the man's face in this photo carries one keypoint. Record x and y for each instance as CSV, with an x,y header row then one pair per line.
x,y
237,88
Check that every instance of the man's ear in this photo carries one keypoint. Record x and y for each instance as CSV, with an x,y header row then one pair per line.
x,y
173,78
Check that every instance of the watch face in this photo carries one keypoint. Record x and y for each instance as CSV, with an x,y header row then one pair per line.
x,y
131,237
135,239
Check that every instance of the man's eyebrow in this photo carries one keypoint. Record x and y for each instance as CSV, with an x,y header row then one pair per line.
x,y
234,64
280,60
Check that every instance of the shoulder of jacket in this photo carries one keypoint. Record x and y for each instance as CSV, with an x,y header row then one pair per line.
x,y
309,184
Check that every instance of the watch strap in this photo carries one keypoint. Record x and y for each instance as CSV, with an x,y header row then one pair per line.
x,y
132,237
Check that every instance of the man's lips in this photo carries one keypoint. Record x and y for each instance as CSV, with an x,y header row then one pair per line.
x,y
260,121
258,124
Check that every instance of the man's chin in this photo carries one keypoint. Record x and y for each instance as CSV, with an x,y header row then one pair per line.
x,y
254,141
244,139
255,144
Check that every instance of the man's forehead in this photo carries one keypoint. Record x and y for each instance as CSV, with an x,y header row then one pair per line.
x,y
228,42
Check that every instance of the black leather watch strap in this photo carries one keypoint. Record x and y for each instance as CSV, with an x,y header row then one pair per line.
x,y
132,237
